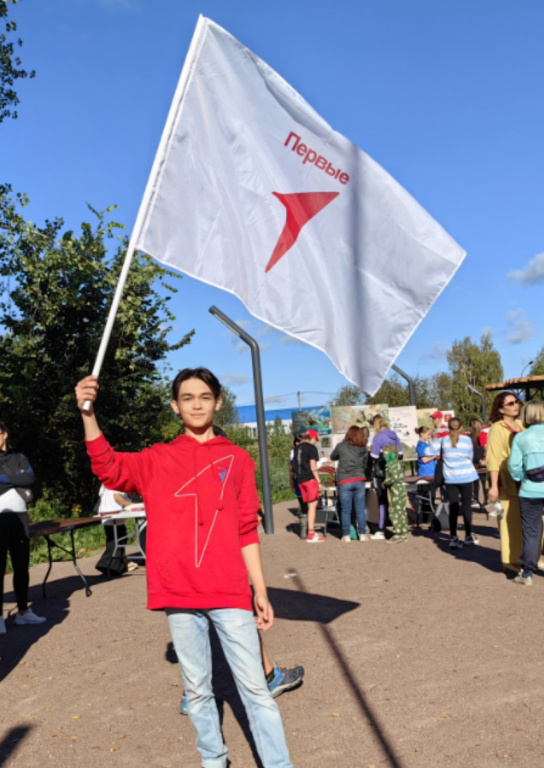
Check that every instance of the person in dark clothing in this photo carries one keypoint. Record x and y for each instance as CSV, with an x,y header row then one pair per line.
x,y
307,477
16,477
352,457
478,458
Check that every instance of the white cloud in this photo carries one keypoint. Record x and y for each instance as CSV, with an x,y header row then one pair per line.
x,y
275,399
436,351
240,346
266,331
236,378
532,274
521,328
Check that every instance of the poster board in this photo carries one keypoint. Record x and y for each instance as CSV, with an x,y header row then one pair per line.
x,y
404,421
346,416
316,418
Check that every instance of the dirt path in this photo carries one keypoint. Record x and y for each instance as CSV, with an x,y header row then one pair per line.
x,y
415,657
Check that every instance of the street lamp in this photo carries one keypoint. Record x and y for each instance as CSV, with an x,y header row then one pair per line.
x,y
524,367
473,389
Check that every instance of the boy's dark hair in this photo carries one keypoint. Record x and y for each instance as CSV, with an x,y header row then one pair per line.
x,y
204,374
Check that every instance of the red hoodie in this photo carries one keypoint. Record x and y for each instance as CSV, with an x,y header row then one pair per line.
x,y
201,504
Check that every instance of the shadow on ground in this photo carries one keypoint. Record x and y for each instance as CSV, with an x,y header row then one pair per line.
x,y
17,640
11,741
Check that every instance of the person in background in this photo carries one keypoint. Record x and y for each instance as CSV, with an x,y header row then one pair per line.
x,y
526,464
15,473
505,425
352,457
111,501
382,436
394,476
459,475
426,466
323,460
303,505
478,459
440,429
307,477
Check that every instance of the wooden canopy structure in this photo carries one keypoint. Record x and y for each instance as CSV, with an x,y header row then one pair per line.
x,y
529,387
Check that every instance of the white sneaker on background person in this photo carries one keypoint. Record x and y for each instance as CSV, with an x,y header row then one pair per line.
x,y
378,536
27,618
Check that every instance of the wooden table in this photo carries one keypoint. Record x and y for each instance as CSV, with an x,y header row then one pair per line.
x,y
49,528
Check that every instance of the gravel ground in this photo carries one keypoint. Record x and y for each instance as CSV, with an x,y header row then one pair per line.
x,y
414,657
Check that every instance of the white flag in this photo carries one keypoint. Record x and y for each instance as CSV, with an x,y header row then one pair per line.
x,y
252,191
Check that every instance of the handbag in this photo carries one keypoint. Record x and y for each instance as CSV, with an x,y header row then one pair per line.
x,y
26,494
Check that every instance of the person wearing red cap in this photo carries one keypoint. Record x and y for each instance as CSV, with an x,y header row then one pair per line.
x,y
306,474
440,429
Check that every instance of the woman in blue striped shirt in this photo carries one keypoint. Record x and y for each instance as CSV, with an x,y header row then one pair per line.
x,y
459,475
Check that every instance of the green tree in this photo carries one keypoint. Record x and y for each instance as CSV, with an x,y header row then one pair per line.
x,y
440,392
392,392
55,292
348,395
477,365
10,65
422,392
228,415
537,368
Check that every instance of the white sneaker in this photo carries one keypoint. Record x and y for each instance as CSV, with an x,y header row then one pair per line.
x,y
22,619
2,626
347,539
364,537
379,535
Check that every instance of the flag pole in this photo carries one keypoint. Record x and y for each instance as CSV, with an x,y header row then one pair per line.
x,y
149,191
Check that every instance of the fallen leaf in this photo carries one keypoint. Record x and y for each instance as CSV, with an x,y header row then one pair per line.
x,y
335,714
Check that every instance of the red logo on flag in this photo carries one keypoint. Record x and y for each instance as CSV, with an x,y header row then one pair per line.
x,y
300,207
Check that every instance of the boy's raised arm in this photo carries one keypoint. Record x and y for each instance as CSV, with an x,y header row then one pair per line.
x,y
86,390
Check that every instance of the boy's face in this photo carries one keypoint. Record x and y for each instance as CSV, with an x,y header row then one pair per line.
x,y
196,404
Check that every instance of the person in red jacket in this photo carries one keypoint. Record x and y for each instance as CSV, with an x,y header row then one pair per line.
x,y
202,544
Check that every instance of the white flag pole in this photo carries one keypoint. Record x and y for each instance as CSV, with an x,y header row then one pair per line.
x,y
150,187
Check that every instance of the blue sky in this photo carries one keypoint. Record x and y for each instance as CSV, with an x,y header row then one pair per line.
x,y
447,97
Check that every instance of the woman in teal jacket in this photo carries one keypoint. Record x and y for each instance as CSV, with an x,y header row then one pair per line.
x,y
526,464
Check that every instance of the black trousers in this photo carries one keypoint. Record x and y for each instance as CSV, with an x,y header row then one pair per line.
x,y
455,492
13,539
531,524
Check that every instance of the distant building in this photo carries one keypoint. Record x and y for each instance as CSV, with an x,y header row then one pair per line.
x,y
248,417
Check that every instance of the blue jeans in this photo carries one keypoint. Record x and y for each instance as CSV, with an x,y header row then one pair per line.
x,y
353,494
238,636
531,524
